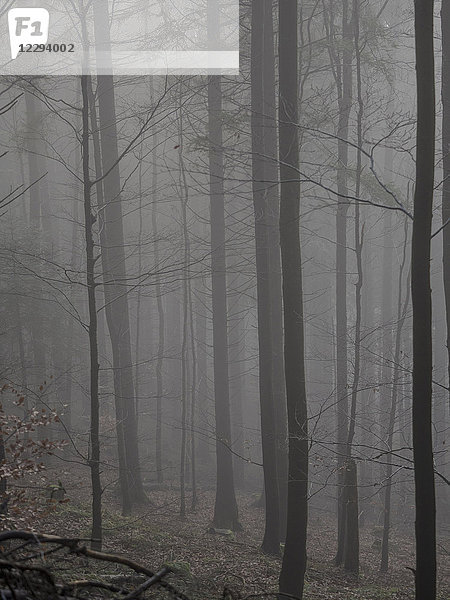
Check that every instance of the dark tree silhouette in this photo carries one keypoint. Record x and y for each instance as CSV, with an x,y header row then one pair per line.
x,y
225,509
421,300
294,560
94,458
271,541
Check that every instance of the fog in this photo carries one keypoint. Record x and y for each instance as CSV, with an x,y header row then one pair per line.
x,y
215,334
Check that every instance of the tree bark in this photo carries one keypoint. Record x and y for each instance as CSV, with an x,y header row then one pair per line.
x,y
294,560
35,172
401,316
273,224
271,541
123,471
115,276
421,301
351,516
94,458
161,329
351,543
344,82
445,27
225,509
184,197
236,338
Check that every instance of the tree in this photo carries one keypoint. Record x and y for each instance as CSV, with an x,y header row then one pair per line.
x,y
445,27
225,509
273,223
113,258
161,331
294,560
36,169
401,316
123,471
342,71
271,542
421,301
94,458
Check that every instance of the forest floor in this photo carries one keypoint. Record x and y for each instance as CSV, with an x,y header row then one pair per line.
x,y
206,563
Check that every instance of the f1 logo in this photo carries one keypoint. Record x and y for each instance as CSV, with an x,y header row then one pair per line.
x,y
27,26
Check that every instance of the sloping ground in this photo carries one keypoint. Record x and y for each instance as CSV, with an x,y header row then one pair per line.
x,y
206,563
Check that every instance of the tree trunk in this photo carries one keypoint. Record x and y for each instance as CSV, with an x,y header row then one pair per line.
x,y
351,516
292,575
273,223
204,448
351,543
115,274
123,471
184,198
421,301
193,416
445,22
401,316
236,338
94,458
271,541
161,328
35,172
225,509
344,88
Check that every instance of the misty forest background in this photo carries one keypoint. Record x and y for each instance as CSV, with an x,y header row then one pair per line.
x,y
202,273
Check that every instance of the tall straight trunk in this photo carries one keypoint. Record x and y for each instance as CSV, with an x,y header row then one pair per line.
x,y
236,369
386,312
292,575
225,508
22,355
184,198
137,350
174,340
161,328
35,172
76,166
23,364
344,86
123,471
94,457
273,223
203,410
386,319
445,26
271,541
351,517
116,298
401,316
421,301
69,351
193,415
184,401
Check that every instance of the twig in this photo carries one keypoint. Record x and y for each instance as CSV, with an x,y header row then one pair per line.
x,y
155,579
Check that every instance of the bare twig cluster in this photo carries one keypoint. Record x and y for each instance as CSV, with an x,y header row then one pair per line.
x,y
30,565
